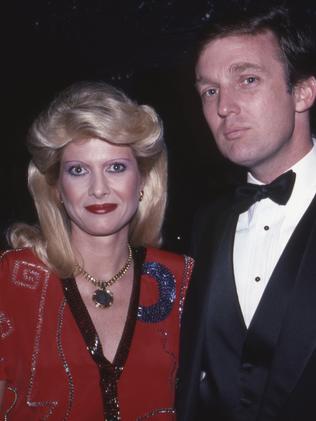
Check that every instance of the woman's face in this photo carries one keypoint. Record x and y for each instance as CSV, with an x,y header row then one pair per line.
x,y
99,184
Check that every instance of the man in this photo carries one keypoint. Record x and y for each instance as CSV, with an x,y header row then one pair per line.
x,y
248,347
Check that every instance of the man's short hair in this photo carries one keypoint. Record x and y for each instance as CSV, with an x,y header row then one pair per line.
x,y
291,29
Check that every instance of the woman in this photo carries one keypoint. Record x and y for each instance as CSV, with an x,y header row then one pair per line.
x,y
89,311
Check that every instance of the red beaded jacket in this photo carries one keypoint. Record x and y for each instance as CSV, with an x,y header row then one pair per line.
x,y
51,357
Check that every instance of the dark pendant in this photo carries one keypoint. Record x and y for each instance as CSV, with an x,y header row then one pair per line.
x,y
103,298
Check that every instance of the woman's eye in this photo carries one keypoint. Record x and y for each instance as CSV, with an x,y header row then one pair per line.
x,y
117,167
77,170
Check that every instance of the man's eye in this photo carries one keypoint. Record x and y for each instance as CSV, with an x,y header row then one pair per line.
x,y
77,170
210,92
117,167
250,80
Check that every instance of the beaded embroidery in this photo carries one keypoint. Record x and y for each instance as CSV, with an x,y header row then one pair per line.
x,y
39,274
109,372
26,274
155,412
6,327
167,293
171,354
60,350
14,391
188,267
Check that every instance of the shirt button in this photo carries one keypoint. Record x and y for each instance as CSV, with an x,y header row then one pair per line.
x,y
247,366
257,278
266,227
245,402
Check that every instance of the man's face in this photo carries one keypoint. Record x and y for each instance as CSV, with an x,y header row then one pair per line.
x,y
247,102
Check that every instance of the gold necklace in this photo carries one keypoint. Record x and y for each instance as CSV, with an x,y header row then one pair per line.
x,y
102,296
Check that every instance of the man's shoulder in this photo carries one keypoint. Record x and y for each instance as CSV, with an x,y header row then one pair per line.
x,y
208,219
214,207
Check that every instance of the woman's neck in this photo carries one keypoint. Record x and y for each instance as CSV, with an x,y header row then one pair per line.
x,y
102,257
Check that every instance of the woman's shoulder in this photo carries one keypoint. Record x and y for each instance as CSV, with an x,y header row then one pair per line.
x,y
177,263
16,254
22,269
153,253
171,270
23,256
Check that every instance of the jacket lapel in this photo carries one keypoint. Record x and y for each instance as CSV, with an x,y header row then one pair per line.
x,y
283,332
213,250
222,301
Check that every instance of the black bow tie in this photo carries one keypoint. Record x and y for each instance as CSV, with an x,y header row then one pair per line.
x,y
279,191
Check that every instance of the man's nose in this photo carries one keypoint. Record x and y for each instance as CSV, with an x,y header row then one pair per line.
x,y
227,102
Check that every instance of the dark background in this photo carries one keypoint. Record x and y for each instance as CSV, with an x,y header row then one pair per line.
x,y
141,46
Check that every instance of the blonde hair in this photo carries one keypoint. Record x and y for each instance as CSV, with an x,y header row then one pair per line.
x,y
91,110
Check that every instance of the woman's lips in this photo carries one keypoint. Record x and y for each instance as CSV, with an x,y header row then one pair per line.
x,y
101,209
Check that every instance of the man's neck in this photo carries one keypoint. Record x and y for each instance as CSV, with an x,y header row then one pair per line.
x,y
267,175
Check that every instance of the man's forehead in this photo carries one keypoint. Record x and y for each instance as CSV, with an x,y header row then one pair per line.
x,y
239,52
244,42
234,69
245,66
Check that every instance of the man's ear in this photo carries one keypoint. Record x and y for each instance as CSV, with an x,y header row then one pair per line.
x,y
305,94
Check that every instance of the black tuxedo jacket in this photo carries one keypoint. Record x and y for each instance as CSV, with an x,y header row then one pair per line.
x,y
266,372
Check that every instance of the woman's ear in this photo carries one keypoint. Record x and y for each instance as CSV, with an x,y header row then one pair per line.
x,y
305,94
57,194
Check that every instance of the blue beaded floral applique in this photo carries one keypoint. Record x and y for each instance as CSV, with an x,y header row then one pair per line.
x,y
167,293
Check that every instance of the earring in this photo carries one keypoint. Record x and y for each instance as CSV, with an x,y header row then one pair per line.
x,y
141,195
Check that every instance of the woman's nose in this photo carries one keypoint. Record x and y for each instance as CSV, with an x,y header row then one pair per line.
x,y
99,186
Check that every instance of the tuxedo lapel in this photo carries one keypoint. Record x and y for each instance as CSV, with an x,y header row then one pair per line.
x,y
193,320
270,358
222,301
213,260
213,263
264,330
213,257
284,326
224,331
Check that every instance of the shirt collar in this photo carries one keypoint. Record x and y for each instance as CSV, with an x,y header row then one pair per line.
x,y
304,188
305,170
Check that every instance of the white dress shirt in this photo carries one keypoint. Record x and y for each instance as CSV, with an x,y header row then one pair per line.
x,y
263,231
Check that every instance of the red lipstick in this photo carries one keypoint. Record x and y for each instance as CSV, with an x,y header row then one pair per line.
x,y
101,209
